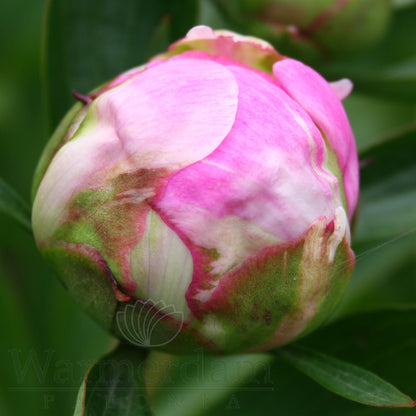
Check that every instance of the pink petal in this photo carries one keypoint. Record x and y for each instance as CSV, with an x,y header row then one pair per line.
x,y
271,161
200,32
342,88
168,116
266,183
317,97
250,51
173,114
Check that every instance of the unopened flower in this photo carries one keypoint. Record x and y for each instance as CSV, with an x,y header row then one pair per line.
x,y
324,27
204,199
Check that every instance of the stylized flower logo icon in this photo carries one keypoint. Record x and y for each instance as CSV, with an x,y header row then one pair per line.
x,y
141,323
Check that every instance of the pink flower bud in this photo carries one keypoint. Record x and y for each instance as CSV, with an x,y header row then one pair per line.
x,y
204,198
318,28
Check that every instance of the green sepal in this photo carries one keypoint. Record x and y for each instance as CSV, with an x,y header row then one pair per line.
x,y
278,294
85,278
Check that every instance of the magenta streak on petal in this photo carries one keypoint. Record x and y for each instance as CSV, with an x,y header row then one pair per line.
x,y
268,172
266,159
234,283
317,97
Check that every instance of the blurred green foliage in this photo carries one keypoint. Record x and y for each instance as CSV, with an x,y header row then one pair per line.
x,y
42,326
38,319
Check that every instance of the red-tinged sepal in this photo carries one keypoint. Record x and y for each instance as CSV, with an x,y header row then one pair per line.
x,y
281,292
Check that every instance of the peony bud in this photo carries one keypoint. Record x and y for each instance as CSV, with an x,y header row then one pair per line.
x,y
203,199
329,27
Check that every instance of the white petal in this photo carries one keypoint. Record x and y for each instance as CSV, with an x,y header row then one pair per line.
x,y
200,32
342,88
161,265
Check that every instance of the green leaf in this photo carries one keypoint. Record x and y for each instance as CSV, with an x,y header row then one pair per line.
x,y
384,342
372,118
379,267
14,206
17,335
397,80
403,3
190,385
388,70
345,379
385,235
87,43
388,188
114,385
